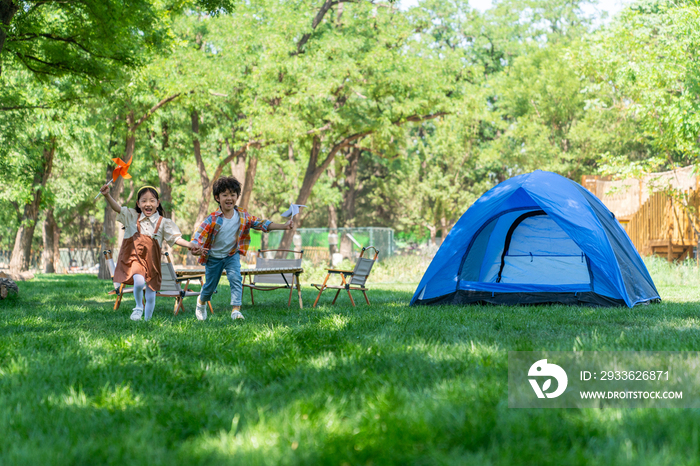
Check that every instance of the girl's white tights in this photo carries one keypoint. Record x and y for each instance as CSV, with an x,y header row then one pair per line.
x,y
139,286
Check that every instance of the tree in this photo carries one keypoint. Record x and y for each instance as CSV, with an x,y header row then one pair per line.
x,y
647,58
540,101
41,166
93,39
360,77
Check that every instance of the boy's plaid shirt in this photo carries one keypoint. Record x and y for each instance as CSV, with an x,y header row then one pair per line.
x,y
205,234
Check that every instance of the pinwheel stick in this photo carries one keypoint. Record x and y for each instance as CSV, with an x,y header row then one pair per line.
x,y
98,194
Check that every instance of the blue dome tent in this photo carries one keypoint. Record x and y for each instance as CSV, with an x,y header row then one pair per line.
x,y
537,238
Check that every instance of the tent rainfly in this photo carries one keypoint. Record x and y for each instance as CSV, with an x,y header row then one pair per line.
x,y
537,238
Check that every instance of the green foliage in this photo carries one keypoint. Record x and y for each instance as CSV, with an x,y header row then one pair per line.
x,y
647,56
91,39
523,85
622,168
90,44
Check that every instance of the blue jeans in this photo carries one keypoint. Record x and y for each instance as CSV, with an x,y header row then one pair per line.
x,y
213,270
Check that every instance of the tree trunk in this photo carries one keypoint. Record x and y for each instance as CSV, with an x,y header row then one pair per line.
x,y
292,163
165,181
349,196
351,184
51,236
165,174
56,248
332,221
110,234
346,246
332,228
8,8
238,169
313,173
249,182
444,227
21,253
433,234
109,227
206,184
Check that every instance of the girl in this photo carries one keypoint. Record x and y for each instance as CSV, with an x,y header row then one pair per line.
x,y
139,256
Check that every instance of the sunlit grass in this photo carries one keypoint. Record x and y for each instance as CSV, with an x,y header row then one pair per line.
x,y
385,384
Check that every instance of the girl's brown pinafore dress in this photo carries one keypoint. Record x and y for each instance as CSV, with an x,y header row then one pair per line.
x,y
140,254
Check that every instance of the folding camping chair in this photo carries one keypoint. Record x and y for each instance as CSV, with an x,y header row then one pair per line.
x,y
275,281
170,284
357,282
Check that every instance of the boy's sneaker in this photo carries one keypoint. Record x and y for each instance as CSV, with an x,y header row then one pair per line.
x,y
137,314
201,311
236,314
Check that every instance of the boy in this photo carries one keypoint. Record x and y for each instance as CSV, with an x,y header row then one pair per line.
x,y
221,239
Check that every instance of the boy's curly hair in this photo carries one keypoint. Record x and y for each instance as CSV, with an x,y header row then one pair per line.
x,y
227,183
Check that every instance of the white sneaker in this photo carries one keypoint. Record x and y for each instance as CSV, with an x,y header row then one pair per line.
x,y
237,315
137,314
201,311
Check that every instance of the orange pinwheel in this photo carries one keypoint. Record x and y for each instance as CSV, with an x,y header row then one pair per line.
x,y
122,169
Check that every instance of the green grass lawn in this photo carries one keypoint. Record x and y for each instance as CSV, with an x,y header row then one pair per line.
x,y
386,384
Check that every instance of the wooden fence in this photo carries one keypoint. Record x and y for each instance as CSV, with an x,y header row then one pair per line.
x,y
665,227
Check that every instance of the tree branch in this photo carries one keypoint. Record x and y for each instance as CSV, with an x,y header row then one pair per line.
x,y
327,5
233,155
38,4
22,107
69,40
321,129
348,141
59,66
153,110
344,143
417,118
371,151
49,105
7,12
